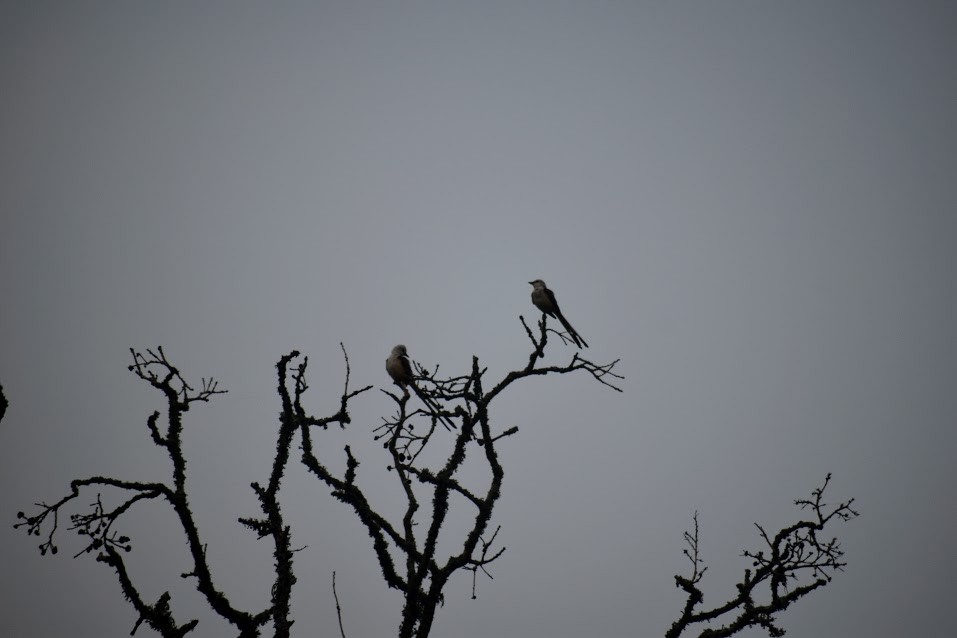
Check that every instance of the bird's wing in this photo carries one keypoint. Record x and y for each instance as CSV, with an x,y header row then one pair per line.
x,y
406,367
552,300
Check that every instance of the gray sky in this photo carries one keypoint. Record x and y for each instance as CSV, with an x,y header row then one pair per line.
x,y
752,204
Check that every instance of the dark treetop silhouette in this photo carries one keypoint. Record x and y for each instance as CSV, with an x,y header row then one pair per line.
x,y
410,559
792,554
410,562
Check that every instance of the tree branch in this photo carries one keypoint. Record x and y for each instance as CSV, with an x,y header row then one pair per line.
x,y
3,403
463,405
98,523
791,553
459,402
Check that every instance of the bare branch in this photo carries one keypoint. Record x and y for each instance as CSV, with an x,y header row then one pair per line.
x,y
155,369
335,594
461,401
791,553
158,615
98,523
3,403
484,559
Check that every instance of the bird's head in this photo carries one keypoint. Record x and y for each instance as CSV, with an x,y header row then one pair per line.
x,y
538,283
399,351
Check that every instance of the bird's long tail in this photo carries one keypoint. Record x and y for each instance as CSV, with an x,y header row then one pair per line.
x,y
577,338
433,407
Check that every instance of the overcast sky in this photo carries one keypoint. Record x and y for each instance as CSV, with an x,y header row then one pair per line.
x,y
751,204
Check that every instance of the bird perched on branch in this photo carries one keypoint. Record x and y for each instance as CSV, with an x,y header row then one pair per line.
x,y
544,300
399,368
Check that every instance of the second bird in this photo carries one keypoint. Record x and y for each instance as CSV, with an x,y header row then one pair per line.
x,y
399,368
544,300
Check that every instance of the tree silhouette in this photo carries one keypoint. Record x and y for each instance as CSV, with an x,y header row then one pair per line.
x,y
410,560
3,403
792,554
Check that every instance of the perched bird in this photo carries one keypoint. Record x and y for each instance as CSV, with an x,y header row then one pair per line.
x,y
544,300
399,368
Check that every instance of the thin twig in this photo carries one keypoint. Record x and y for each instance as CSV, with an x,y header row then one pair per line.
x,y
338,609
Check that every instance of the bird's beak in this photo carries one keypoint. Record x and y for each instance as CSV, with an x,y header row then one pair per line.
x,y
532,283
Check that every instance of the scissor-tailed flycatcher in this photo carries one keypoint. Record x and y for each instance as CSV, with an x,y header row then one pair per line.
x,y
399,368
544,300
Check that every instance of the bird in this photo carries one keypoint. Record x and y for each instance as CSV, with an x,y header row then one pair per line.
x,y
399,368
544,300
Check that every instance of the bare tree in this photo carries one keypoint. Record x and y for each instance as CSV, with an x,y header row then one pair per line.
x,y
97,525
407,548
423,575
795,562
410,561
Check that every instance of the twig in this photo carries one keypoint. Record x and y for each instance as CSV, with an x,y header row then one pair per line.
x,y
338,609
